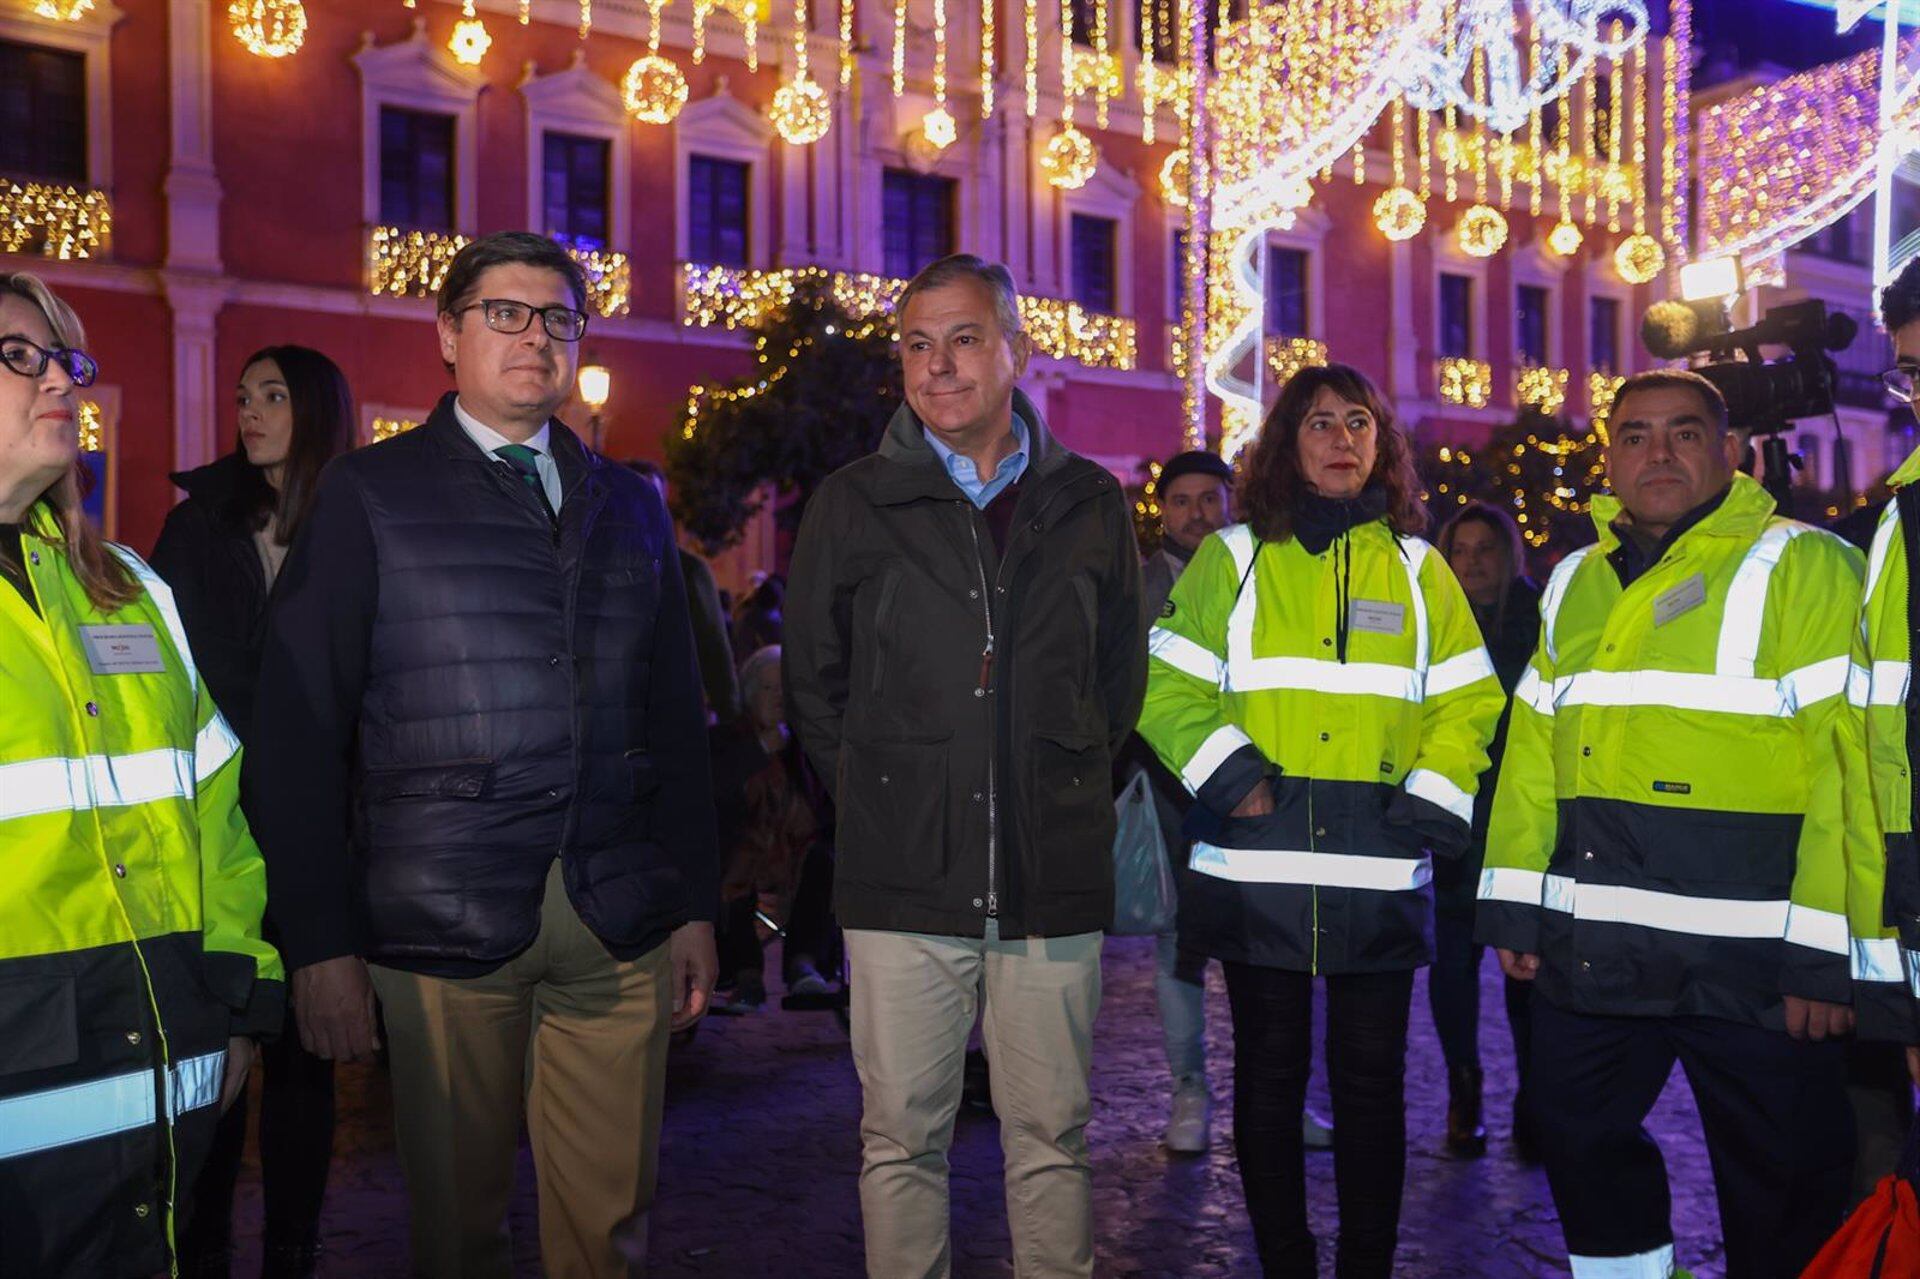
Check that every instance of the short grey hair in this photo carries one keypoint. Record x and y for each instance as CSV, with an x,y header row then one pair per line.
x,y
957,267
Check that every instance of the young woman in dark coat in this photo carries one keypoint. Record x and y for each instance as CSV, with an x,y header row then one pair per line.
x,y
220,551
1482,545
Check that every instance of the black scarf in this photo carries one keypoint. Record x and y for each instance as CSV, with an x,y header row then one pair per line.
x,y
1318,520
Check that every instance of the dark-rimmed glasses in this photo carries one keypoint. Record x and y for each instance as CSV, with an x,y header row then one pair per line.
x,y
1900,381
30,359
504,315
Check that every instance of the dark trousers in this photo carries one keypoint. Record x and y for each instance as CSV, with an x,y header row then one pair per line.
x,y
296,1144
1778,1128
1366,1074
1453,987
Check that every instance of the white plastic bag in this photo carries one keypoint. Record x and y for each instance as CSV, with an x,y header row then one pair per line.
x,y
1143,892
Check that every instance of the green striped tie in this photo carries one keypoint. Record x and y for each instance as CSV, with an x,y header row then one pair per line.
x,y
521,459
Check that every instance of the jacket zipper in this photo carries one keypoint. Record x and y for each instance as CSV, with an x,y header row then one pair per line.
x,y
993,742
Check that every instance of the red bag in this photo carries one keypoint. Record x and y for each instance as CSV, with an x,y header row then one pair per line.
x,y
1881,1240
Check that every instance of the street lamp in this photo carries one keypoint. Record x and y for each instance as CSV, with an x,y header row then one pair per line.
x,y
596,387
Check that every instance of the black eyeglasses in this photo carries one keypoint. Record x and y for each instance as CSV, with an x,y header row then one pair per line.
x,y
1900,381
504,315
30,360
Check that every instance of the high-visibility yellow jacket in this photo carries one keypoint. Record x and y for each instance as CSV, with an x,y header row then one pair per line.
x,y
1373,752
1668,830
130,905
1883,867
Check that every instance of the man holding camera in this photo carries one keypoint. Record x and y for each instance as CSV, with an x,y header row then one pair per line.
x,y
1667,854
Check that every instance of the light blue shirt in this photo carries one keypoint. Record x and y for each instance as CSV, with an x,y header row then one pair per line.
x,y
982,492
489,439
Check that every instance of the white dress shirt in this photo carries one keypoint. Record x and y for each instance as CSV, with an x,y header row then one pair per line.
x,y
489,439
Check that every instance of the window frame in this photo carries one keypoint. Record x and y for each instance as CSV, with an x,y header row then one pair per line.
x,y
746,229
576,102
724,128
418,75
90,36
949,186
1075,220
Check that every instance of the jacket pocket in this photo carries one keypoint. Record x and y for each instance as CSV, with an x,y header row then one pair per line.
x,y
1753,852
39,1023
1090,625
1071,798
646,778
466,779
893,811
882,619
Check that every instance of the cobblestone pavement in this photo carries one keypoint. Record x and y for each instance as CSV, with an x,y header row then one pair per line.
x,y
761,1147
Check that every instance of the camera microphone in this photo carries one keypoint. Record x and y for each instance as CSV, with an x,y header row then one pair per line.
x,y
1671,330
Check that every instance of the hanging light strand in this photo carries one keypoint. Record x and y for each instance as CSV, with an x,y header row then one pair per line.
x,y
987,38
940,55
899,47
1399,142
1450,122
750,30
1616,107
1589,143
586,17
1639,128
1100,55
1032,68
1679,132
1066,61
526,12
846,43
1486,136
1535,133
800,39
1423,152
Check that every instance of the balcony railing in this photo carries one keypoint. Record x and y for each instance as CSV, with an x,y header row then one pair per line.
x,y
54,221
1287,356
412,264
1601,388
1542,388
736,297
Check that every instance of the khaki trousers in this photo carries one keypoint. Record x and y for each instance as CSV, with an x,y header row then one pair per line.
x,y
582,1039
914,998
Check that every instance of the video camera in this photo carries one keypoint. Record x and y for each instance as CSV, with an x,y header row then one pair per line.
x,y
1764,397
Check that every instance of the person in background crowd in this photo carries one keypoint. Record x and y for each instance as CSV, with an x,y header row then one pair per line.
x,y
1666,861
220,551
1318,683
771,810
710,640
759,618
131,961
1195,492
963,659
1483,547
479,724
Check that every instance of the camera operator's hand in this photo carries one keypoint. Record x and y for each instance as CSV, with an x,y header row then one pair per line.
x,y
1517,965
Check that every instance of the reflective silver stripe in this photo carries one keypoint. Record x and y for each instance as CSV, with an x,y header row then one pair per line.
x,y
1883,537
1511,884
1436,789
54,785
1677,690
1815,683
1817,929
213,747
1323,870
1414,554
1743,618
1459,671
1310,674
1534,691
1656,1264
1877,959
1185,655
1670,912
1213,752
1556,593
162,596
101,1107
1884,684
1912,960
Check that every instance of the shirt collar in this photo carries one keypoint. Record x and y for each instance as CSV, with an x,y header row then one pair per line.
x,y
490,440
960,466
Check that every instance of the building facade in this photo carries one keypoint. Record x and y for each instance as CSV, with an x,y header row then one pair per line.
x,y
197,201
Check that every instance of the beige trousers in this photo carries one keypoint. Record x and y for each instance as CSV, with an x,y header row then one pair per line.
x,y
582,1039
914,998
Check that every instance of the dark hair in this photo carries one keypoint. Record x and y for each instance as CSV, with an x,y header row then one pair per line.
x,y
1271,485
322,430
1900,304
956,267
1672,380
1505,532
503,248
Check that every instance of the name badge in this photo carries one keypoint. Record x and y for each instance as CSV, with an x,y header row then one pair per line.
x,y
1376,617
1681,599
122,650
